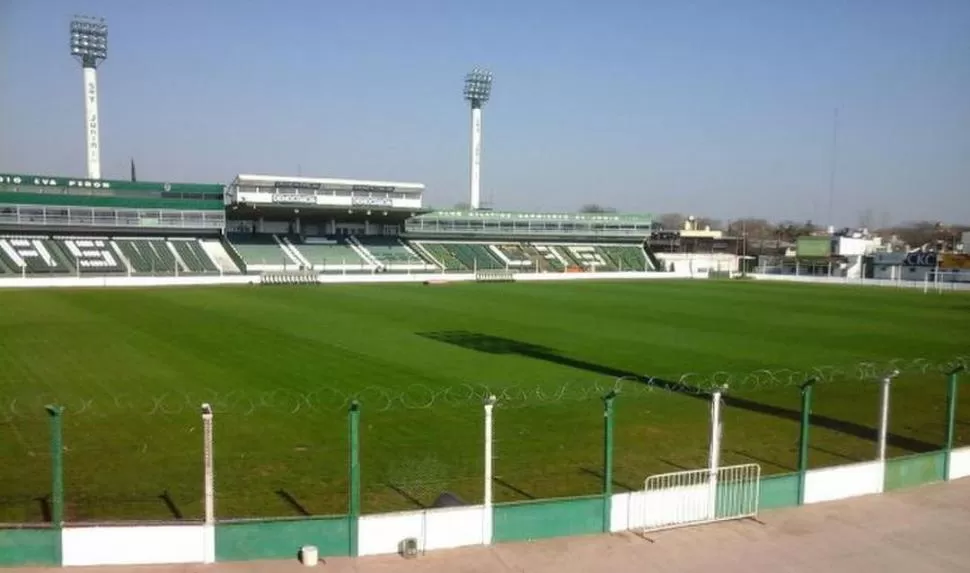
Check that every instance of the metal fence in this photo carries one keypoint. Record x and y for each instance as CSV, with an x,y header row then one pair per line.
x,y
333,451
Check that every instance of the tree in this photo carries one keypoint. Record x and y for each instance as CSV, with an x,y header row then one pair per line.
x,y
596,208
672,221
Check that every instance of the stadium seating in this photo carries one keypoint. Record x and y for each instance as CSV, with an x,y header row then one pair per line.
x,y
193,256
474,255
91,255
33,255
151,256
626,258
443,256
388,250
328,253
261,251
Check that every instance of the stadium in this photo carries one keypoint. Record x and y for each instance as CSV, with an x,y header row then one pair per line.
x,y
382,395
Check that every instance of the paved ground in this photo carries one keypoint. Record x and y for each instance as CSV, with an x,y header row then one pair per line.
x,y
924,530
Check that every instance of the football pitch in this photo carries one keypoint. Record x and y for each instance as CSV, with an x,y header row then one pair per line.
x,y
281,364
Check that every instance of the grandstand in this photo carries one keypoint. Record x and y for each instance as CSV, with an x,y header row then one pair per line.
x,y
270,224
64,226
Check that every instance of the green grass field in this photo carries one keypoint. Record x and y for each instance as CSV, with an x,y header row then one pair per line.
x,y
280,364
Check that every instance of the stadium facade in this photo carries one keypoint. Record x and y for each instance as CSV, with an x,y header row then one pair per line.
x,y
52,225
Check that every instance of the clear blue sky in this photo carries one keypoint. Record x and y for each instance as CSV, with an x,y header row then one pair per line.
x,y
716,108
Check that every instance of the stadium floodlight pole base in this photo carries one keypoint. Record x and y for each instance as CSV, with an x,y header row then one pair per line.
x,y
806,422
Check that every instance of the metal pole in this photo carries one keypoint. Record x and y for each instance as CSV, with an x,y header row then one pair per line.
x,y
714,456
806,387
91,123
353,512
884,413
951,418
476,149
208,481
487,503
57,466
608,460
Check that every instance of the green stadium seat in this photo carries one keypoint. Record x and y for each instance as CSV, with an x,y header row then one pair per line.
x,y
194,257
33,255
444,257
329,253
389,250
91,255
260,250
148,256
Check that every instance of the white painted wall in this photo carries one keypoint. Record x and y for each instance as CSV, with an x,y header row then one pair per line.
x,y
960,463
138,545
74,282
855,281
840,482
434,529
625,510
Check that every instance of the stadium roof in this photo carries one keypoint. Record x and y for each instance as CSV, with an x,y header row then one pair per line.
x,y
253,178
543,217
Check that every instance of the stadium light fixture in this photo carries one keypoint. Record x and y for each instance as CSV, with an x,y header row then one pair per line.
x,y
89,45
478,90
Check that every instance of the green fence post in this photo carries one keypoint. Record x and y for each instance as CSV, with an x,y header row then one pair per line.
x,y
951,418
608,459
806,387
57,476
57,466
353,512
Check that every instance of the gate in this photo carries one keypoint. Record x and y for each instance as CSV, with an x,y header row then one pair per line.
x,y
693,497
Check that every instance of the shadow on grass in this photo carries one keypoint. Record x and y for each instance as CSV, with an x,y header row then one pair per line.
x,y
513,488
407,496
848,458
499,345
761,460
46,512
292,502
599,475
171,506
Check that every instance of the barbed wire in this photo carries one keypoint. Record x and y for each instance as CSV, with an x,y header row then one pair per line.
x,y
423,397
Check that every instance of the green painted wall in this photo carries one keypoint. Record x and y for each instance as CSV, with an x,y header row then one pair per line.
x,y
778,491
23,547
547,518
914,470
282,539
10,198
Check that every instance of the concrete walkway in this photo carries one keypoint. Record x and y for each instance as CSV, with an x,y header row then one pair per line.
x,y
924,530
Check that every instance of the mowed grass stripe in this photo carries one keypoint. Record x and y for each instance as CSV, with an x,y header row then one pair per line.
x,y
117,353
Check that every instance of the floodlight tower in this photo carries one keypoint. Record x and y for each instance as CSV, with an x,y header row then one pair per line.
x,y
478,88
89,45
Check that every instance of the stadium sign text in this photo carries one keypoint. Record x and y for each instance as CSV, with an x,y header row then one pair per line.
x,y
53,182
295,185
376,188
920,260
371,202
294,198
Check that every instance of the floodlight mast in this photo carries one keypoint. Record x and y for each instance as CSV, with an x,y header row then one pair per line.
x,y
478,88
89,45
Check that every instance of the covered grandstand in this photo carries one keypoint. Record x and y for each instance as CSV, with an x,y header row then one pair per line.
x,y
266,224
